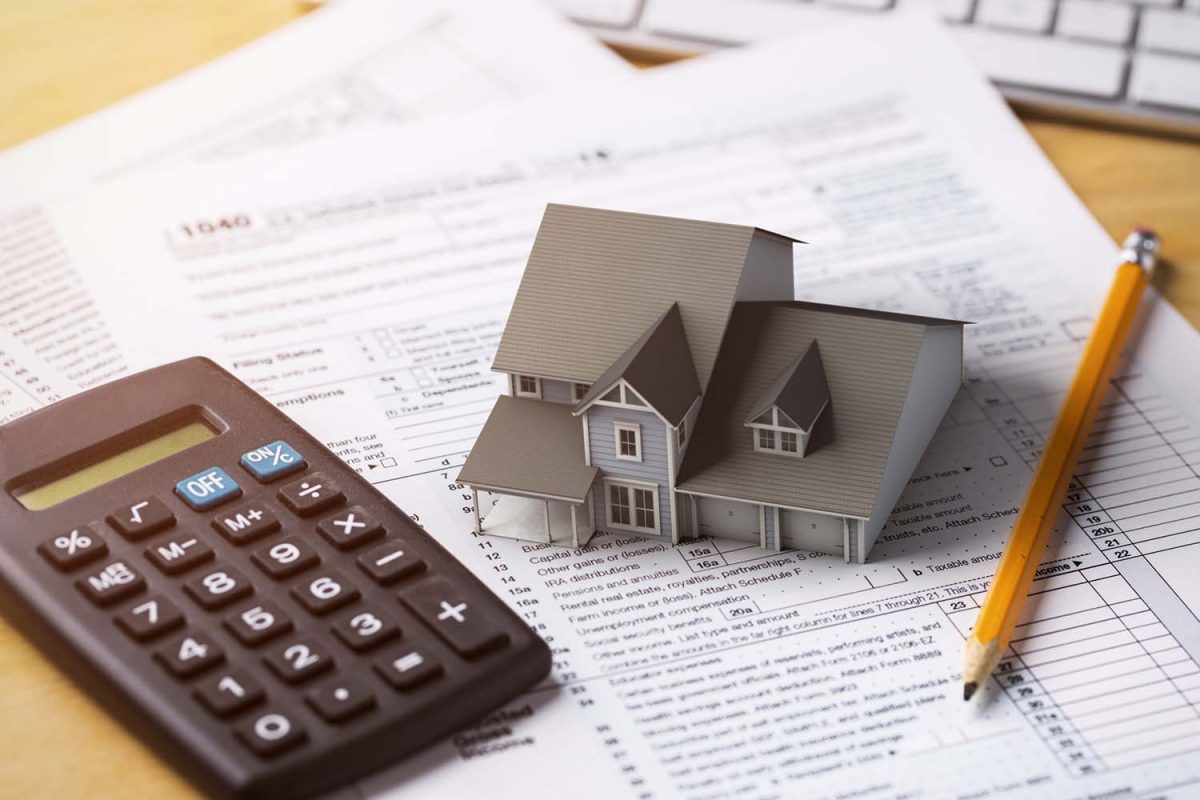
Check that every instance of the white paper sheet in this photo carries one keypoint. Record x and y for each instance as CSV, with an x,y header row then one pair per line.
x,y
366,299
360,64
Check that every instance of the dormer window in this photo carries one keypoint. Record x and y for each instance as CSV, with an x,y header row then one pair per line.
x,y
786,412
528,386
772,437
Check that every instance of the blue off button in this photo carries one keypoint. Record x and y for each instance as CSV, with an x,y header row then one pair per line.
x,y
272,461
209,488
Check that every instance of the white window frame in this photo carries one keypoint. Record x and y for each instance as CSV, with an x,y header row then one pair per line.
x,y
632,486
537,386
681,433
580,390
636,429
777,440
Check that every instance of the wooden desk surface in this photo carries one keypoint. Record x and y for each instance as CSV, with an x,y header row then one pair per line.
x,y
60,59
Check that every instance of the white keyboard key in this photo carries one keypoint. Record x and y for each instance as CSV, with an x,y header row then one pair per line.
x,y
1044,62
955,10
1098,20
1022,15
1174,31
613,13
1165,81
735,21
869,5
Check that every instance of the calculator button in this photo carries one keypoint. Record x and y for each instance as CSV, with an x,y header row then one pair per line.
x,y
141,519
270,732
114,581
74,548
299,660
179,554
258,623
325,592
246,522
408,670
461,621
390,562
311,494
208,488
150,619
284,558
218,587
189,654
349,528
229,692
362,630
340,701
272,461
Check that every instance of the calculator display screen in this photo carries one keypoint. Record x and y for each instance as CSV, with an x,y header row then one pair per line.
x,y
114,466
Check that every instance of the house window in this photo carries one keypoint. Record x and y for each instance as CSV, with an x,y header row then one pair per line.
x,y
683,433
633,506
528,386
778,440
581,389
628,441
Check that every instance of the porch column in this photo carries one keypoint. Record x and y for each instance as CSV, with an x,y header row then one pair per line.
x,y
475,506
574,526
549,539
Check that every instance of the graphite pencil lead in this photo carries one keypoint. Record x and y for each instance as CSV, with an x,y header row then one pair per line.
x,y
969,689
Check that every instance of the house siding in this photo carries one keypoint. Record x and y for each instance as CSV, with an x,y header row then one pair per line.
x,y
556,391
651,469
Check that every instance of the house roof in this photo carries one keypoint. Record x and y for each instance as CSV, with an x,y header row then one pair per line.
x,y
658,365
868,360
531,447
596,280
800,391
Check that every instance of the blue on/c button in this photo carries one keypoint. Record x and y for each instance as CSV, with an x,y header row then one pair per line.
x,y
271,461
207,488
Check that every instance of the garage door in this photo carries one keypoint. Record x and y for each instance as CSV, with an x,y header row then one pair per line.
x,y
728,519
819,532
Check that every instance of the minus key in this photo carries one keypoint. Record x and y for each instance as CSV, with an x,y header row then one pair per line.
x,y
390,562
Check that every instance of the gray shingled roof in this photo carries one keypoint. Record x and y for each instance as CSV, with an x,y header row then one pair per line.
x,y
868,358
659,368
597,279
800,391
530,446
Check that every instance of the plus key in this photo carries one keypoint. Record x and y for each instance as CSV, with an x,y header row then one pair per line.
x,y
464,625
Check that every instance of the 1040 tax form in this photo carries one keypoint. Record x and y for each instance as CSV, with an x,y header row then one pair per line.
x,y
366,301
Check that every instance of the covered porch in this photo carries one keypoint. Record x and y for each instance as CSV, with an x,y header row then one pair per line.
x,y
530,452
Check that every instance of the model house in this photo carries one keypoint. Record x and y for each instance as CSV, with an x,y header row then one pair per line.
x,y
663,381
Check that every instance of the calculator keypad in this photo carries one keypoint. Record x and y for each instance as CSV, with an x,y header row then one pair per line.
x,y
259,623
179,554
144,518
349,528
150,619
324,592
283,549
112,582
390,562
298,660
246,522
311,495
218,587
285,558
338,702
189,654
442,606
229,691
73,548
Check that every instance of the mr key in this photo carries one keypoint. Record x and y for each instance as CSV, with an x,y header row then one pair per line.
x,y
217,573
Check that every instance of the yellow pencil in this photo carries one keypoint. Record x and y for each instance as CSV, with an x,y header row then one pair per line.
x,y
1002,606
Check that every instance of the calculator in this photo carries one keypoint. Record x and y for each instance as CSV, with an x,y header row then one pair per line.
x,y
246,602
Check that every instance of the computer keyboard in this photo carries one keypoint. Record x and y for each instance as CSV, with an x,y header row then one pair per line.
x,y
1133,63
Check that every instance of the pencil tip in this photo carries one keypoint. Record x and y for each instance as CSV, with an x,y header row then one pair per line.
x,y
969,689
